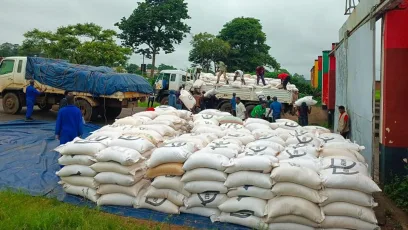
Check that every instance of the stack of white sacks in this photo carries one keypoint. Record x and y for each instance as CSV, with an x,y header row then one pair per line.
x,y
210,79
77,176
257,174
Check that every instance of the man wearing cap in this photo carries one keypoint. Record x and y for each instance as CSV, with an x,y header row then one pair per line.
x,y
31,95
275,109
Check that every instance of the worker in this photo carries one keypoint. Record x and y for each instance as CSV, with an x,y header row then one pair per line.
x,y
197,72
69,123
234,104
63,101
268,108
31,95
285,78
172,99
222,70
150,101
210,102
304,112
344,122
259,110
260,72
241,110
179,104
202,101
239,74
275,109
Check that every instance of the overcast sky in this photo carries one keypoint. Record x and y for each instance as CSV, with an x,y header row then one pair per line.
x,y
297,30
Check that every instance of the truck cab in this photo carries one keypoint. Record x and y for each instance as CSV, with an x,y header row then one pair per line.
x,y
169,80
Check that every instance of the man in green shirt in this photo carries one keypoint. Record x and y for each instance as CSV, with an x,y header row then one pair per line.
x,y
259,110
222,70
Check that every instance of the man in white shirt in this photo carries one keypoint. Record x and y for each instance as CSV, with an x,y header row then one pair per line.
x,y
241,110
239,74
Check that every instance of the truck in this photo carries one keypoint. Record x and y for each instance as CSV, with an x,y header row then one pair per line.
x,y
87,83
174,79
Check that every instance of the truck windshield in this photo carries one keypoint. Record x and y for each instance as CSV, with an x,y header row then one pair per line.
x,y
6,67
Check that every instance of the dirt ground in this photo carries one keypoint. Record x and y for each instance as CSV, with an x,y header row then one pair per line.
x,y
389,216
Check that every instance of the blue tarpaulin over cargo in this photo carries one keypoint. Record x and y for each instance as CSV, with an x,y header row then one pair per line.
x,y
28,163
80,78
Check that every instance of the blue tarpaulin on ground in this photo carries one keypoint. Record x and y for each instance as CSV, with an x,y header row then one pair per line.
x,y
28,163
81,78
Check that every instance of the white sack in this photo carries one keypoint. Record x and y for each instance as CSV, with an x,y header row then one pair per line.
x,y
245,138
274,138
205,186
204,174
263,164
350,210
293,219
289,226
236,204
187,99
76,160
244,219
206,160
119,179
133,142
346,179
83,147
177,152
131,191
243,178
296,174
296,190
76,170
348,223
252,191
308,100
207,199
158,204
348,196
288,205
254,126
170,182
169,194
266,143
116,199
264,132
256,120
327,163
344,145
118,168
149,114
258,151
303,140
123,156
207,212
80,181
85,192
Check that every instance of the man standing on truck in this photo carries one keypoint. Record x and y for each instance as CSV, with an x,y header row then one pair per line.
x,y
259,110
69,123
344,122
239,74
234,104
222,70
31,95
285,78
197,72
276,109
260,72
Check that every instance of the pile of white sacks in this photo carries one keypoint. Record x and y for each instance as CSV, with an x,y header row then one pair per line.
x,y
209,79
257,174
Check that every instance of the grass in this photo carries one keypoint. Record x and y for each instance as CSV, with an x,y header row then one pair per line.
x,y
377,95
144,104
20,211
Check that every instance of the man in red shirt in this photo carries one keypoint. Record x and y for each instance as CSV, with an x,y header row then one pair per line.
x,y
260,72
285,78
344,123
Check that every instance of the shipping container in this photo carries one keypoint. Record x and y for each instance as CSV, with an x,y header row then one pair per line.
x,y
325,77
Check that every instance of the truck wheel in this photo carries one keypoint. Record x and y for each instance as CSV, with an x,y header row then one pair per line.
x,y
112,112
11,103
226,107
249,109
88,112
164,101
45,107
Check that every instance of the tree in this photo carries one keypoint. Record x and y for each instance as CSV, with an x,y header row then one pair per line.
x,y
248,48
207,49
166,67
157,25
86,44
150,66
132,68
8,49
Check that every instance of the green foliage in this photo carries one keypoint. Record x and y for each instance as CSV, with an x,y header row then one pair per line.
x,y
248,48
86,44
132,68
20,211
155,24
166,67
207,49
397,190
150,66
8,49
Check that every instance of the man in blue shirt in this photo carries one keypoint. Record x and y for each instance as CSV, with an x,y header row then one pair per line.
x,y
31,95
234,104
276,109
172,99
69,123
